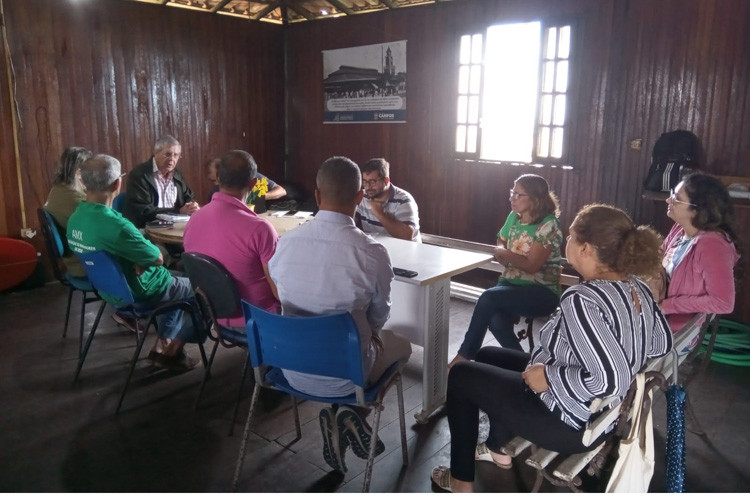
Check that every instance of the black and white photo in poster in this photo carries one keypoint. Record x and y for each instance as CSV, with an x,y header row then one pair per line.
x,y
365,84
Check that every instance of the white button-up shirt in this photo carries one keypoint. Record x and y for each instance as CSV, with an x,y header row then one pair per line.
x,y
165,187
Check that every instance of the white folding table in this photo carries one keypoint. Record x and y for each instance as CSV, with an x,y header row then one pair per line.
x,y
420,309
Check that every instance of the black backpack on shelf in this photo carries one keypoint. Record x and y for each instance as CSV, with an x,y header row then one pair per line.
x,y
673,155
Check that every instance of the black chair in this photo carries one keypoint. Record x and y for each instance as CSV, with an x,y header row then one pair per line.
x,y
106,275
217,297
57,246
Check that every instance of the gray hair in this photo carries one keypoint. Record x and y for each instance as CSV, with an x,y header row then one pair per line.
x,y
165,141
339,180
98,173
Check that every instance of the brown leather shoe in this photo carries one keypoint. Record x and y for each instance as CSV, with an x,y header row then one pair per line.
x,y
127,322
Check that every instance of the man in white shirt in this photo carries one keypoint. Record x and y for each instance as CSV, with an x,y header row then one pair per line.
x,y
156,186
325,266
386,209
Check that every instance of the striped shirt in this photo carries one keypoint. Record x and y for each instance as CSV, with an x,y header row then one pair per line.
x,y
165,187
400,205
596,342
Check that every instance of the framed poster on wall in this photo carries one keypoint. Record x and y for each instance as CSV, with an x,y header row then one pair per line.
x,y
365,84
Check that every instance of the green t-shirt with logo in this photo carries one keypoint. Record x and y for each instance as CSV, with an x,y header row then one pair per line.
x,y
519,240
94,226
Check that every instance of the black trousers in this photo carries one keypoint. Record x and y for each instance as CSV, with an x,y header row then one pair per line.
x,y
493,383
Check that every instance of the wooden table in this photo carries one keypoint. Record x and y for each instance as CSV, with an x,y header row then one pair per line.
x,y
175,234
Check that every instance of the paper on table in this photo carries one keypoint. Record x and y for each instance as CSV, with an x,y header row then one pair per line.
x,y
285,213
173,217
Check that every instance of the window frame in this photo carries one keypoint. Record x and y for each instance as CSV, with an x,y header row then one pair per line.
x,y
570,96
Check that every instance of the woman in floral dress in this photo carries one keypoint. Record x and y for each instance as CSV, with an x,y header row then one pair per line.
x,y
528,245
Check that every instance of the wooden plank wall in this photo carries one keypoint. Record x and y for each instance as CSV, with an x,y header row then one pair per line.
x,y
646,67
112,76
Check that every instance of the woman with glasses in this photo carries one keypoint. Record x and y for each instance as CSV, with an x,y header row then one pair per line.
x,y
528,245
700,251
604,331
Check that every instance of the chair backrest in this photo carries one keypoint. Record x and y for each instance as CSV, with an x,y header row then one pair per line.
x,y
106,276
118,203
54,242
211,277
325,345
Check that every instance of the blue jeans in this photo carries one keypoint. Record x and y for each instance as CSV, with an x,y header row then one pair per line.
x,y
499,307
171,324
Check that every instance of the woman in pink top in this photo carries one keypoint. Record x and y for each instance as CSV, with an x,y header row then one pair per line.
x,y
700,251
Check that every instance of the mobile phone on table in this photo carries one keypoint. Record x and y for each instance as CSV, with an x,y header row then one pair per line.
x,y
291,212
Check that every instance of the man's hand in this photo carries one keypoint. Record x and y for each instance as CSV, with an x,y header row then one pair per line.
x,y
139,269
535,378
377,209
189,207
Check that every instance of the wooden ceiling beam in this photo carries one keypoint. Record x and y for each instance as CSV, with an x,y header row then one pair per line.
x,y
269,8
341,7
299,9
164,2
216,8
389,4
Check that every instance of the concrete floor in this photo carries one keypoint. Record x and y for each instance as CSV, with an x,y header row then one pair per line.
x,y
56,436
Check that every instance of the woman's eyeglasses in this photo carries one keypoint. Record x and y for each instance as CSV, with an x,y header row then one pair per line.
x,y
514,195
673,197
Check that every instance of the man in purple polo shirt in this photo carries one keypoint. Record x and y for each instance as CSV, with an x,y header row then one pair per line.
x,y
227,230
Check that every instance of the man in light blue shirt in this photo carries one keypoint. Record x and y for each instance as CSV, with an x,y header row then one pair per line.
x,y
328,265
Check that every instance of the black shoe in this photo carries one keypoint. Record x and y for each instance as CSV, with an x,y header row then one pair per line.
x,y
178,364
356,432
332,452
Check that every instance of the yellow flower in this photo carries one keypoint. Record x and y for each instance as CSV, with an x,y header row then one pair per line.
x,y
260,189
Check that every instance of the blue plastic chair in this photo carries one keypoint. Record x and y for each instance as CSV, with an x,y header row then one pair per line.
x,y
277,342
217,297
107,277
56,248
118,204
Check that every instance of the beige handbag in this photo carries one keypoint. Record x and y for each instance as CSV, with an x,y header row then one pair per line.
x,y
635,464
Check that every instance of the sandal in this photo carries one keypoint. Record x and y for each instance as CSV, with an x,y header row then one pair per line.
x,y
441,477
482,454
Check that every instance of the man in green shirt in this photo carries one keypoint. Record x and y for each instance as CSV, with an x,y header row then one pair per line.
x,y
96,226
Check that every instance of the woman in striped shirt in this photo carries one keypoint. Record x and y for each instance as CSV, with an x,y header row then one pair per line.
x,y
602,334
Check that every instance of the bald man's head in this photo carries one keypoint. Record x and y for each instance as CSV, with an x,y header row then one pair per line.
x,y
339,182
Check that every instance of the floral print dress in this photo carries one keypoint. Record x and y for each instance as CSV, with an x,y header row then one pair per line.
x,y
520,238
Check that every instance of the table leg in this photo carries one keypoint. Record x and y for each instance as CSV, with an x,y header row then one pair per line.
x,y
422,315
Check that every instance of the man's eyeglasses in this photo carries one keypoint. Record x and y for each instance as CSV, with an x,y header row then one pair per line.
x,y
170,156
371,182
514,195
673,197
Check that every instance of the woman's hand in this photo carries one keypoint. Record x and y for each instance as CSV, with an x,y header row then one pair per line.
x,y
535,378
501,254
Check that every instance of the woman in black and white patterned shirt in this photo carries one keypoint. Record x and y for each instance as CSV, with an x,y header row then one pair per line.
x,y
602,334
